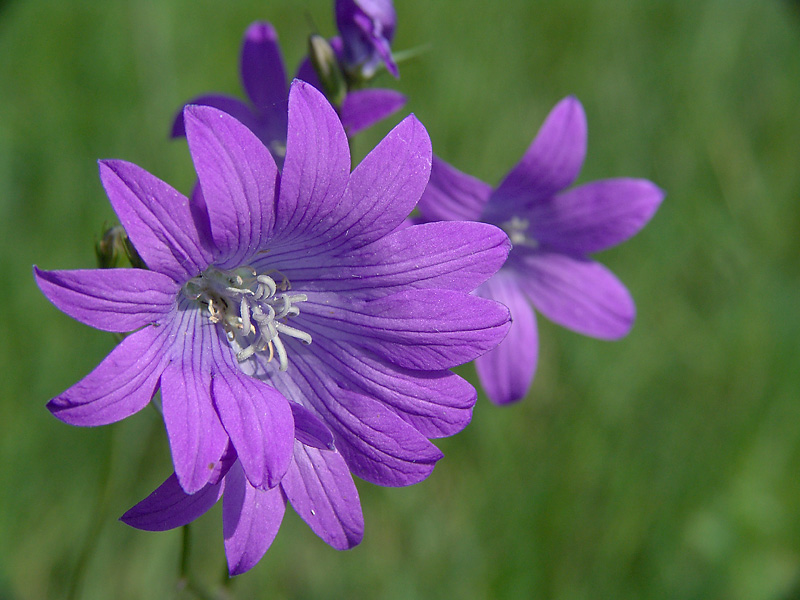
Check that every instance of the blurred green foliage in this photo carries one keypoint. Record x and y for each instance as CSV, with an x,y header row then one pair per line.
x,y
661,466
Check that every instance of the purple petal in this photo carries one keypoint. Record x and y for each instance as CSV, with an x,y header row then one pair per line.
x,y
321,490
367,28
119,386
595,216
157,218
317,165
259,422
110,299
452,195
577,293
436,403
445,255
309,429
551,164
377,445
364,108
196,437
386,186
507,371
250,520
169,506
227,104
419,329
238,177
263,74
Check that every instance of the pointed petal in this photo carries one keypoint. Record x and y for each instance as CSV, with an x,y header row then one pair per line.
x,y
259,422
452,195
110,299
317,165
445,255
238,178
551,163
263,73
595,216
363,108
419,329
157,218
435,403
309,429
507,371
196,437
227,104
576,293
377,445
386,186
321,490
169,506
250,520
118,387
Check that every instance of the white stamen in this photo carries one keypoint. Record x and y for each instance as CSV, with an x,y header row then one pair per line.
x,y
252,308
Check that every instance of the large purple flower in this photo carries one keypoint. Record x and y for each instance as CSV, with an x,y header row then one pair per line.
x,y
264,81
553,230
292,305
367,28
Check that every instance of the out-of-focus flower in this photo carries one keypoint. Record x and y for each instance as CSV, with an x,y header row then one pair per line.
x,y
264,81
367,28
291,305
552,230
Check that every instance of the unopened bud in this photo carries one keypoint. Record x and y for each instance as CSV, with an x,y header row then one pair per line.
x,y
113,246
324,61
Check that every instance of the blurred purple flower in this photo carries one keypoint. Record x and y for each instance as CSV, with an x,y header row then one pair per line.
x,y
367,28
304,280
264,81
552,230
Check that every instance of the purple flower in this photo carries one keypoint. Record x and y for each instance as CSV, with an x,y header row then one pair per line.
x,y
367,28
264,81
553,230
283,306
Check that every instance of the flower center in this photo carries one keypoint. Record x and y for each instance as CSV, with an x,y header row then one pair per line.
x,y
252,308
517,230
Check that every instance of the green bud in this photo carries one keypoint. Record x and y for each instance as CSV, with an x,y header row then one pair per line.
x,y
324,61
113,246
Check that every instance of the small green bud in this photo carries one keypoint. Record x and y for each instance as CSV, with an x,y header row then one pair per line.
x,y
324,61
113,246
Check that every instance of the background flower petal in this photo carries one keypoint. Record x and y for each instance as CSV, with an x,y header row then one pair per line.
x,y
363,108
121,385
238,178
250,520
157,219
577,293
262,70
321,490
551,163
506,372
595,216
228,104
117,300
169,506
452,195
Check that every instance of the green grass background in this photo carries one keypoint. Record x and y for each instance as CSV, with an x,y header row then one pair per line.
x,y
661,466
